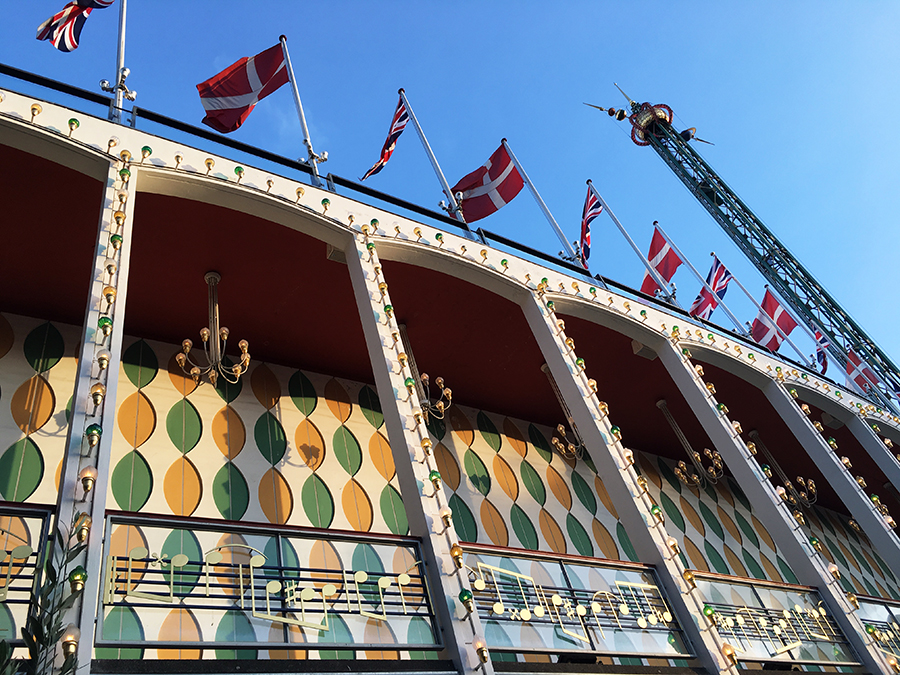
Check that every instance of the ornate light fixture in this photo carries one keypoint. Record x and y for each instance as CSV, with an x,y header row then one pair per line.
x,y
697,475
569,445
806,495
215,340
433,406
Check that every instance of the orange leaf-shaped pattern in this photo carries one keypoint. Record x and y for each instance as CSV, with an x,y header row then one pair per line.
x,y
380,452
124,539
604,497
228,432
505,477
494,525
604,540
559,488
137,419
310,444
180,626
338,400
295,635
379,632
266,387
234,552
552,532
13,534
462,427
357,506
275,497
184,384
447,466
324,556
32,404
515,437
182,487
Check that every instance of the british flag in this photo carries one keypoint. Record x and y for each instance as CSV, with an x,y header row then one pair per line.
x,y
822,344
718,279
592,209
63,29
398,124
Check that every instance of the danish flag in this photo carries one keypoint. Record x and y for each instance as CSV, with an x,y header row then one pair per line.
x,y
592,209
398,124
232,94
718,280
859,372
490,187
63,29
822,344
662,258
772,313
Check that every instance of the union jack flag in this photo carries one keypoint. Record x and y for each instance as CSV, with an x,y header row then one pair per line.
x,y
398,124
718,279
63,29
592,209
822,344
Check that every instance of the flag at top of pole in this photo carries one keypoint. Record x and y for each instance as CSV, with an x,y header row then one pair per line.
x,y
230,96
63,29
490,187
716,284
773,324
663,259
398,124
592,209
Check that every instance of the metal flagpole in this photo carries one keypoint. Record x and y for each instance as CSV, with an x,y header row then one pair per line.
x,y
650,270
540,202
767,319
454,209
313,158
120,63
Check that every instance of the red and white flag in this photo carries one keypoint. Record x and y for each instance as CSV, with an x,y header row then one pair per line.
x,y
489,187
230,96
859,373
663,259
773,313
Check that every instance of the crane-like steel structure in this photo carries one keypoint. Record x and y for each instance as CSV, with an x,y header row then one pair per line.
x,y
651,125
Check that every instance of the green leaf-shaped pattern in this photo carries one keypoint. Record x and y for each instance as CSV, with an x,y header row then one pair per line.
x,y
317,501
290,561
122,623
21,470
437,428
756,571
302,393
488,431
788,573
43,347
393,511
184,426
578,536
715,558
225,389
625,543
270,438
738,493
366,558
184,541
746,528
347,450
532,482
132,482
540,443
230,492
712,521
420,633
672,510
477,472
463,520
523,528
666,472
339,634
371,406
235,627
584,493
140,364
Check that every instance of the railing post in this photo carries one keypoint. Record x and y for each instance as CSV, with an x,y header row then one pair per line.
x,y
807,564
423,496
641,516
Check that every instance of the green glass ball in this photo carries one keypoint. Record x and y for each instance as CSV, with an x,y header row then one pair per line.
x,y
409,382
465,596
78,574
94,429
434,475
146,151
104,321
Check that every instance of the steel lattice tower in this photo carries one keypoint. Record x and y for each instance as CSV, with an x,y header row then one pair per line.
x,y
652,125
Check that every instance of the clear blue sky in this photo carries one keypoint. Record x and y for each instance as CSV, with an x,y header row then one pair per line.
x,y
799,99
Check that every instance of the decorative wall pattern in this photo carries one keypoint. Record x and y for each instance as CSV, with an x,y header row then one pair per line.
x,y
281,446
37,377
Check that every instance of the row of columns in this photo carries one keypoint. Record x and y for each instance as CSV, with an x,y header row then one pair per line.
x,y
424,498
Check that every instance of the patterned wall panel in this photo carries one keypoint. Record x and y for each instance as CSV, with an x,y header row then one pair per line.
x,y
510,489
37,377
280,446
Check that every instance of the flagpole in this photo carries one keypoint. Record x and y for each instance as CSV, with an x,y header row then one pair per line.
x,y
313,158
650,270
454,209
537,197
120,63
769,320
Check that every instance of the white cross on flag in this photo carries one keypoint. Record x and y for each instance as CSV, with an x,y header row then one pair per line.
x,y
772,313
230,96
489,187
663,259
859,373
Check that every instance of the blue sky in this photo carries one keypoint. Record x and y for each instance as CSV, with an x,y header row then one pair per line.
x,y
799,99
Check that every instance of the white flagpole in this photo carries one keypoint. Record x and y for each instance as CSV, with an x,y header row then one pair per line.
x,y
768,320
540,202
454,209
313,158
650,270
120,63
